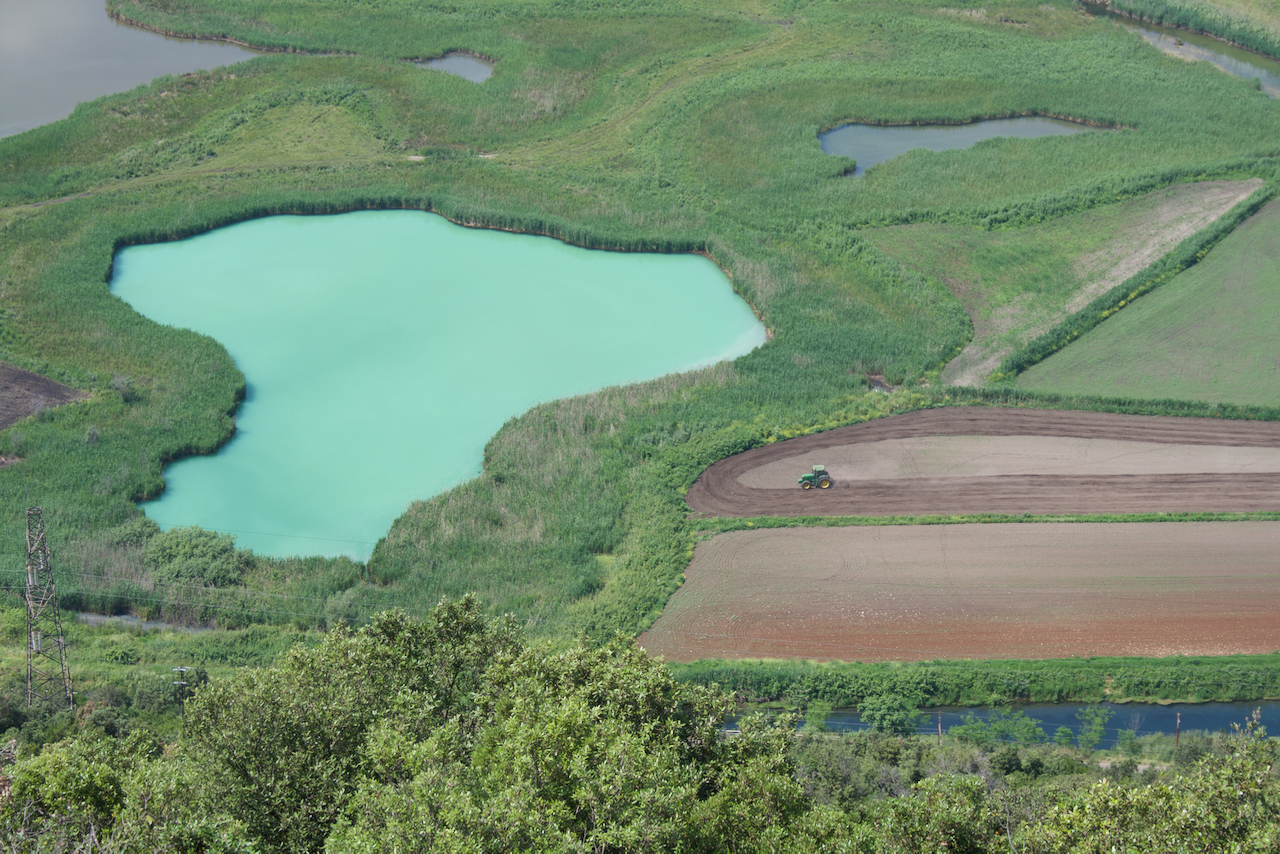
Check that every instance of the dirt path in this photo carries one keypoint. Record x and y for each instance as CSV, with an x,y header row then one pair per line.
x,y
724,489
910,593
23,393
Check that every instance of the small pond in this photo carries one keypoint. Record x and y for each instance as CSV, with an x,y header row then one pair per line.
x,y
1144,718
384,349
1233,60
462,64
872,144
56,53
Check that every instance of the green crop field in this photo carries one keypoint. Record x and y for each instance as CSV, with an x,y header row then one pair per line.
x,y
643,125
1212,333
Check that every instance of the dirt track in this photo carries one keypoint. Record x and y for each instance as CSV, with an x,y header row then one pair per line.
x,y
918,592
720,492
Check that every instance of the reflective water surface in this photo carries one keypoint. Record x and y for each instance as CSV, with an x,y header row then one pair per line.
x,y
464,65
56,53
872,144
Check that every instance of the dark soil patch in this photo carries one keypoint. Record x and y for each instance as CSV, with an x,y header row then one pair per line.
x,y
23,393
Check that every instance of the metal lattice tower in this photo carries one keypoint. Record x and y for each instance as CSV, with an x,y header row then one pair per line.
x,y
48,679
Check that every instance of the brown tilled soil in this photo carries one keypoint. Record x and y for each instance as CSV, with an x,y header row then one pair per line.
x,y
23,393
1227,483
914,592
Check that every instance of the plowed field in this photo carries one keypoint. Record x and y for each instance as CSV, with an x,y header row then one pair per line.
x,y
1046,590
1030,461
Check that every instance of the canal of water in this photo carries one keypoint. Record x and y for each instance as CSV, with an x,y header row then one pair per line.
x,y
1229,58
1143,718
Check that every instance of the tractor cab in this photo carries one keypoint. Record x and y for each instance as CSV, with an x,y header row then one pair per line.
x,y
818,477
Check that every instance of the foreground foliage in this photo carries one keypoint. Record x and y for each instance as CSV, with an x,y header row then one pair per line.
x,y
453,734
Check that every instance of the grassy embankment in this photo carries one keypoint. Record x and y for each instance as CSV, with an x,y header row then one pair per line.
x,y
1247,23
661,127
1210,333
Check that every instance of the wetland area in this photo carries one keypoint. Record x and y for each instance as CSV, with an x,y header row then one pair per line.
x,y
418,451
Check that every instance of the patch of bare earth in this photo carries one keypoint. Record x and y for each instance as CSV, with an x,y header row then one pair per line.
x,y
910,593
23,393
1182,211
973,460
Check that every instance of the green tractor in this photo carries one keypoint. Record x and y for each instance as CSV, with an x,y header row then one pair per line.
x,y
818,477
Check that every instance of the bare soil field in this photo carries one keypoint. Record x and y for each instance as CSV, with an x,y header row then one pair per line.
x,y
23,393
908,593
1027,461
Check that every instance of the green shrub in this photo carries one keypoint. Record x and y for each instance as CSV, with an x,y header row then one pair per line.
x,y
193,555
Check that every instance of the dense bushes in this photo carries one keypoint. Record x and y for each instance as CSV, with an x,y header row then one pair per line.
x,y
453,734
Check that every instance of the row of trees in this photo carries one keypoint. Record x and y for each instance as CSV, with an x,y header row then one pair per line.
x,y
453,734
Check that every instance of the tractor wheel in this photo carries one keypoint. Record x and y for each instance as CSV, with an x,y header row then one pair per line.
x,y
806,484
824,483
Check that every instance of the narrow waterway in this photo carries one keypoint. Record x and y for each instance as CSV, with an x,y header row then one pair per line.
x,y
384,349
1142,718
55,54
1192,46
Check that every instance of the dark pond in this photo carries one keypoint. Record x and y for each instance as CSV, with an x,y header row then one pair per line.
x,y
464,65
1233,60
872,144
56,53
1144,718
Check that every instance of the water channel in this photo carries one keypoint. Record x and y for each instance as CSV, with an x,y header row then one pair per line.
x,y
56,53
872,144
384,349
1143,718
1229,58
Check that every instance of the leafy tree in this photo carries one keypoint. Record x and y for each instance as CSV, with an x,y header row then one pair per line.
x,y
1093,720
1000,725
70,790
943,813
287,744
1229,803
588,750
891,713
1063,736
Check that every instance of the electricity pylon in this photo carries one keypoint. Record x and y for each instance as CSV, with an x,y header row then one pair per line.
x,y
48,679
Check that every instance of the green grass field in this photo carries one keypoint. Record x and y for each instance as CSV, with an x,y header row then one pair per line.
x,y
1212,333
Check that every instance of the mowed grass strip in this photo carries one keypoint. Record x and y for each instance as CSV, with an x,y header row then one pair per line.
x,y
917,593
1016,284
1211,334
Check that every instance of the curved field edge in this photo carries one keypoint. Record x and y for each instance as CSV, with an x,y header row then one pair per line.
x,y
578,521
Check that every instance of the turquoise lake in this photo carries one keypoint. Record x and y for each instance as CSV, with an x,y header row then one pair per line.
x,y
382,350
